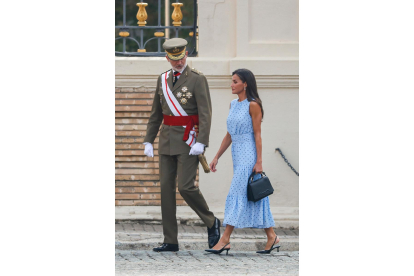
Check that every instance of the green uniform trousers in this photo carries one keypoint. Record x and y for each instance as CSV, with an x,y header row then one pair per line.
x,y
184,168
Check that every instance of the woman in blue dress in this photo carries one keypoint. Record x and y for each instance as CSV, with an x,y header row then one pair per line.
x,y
244,133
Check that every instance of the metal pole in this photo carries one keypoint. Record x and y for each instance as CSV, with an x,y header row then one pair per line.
x,y
167,18
124,15
197,35
124,22
142,38
142,34
195,27
159,24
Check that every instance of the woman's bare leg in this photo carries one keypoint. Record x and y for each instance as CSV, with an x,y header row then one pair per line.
x,y
225,238
271,235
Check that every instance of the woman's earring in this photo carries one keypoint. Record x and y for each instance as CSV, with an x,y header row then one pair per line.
x,y
245,88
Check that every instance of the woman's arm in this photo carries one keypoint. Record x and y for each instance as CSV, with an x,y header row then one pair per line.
x,y
224,145
256,113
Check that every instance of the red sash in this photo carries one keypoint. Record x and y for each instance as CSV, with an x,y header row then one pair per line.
x,y
189,121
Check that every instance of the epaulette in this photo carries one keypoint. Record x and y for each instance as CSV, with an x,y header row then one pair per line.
x,y
165,71
196,71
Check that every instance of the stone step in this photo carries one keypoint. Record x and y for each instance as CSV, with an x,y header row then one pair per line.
x,y
287,243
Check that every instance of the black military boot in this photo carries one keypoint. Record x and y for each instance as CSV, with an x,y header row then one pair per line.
x,y
214,233
166,247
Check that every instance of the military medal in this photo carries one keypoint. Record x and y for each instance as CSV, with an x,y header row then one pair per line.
x,y
184,95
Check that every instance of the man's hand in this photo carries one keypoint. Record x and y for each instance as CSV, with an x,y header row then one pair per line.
x,y
149,150
197,149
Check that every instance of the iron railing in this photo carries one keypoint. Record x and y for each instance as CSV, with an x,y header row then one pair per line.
x,y
160,30
287,162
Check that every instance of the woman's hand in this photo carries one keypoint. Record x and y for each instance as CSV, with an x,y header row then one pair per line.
x,y
258,168
213,165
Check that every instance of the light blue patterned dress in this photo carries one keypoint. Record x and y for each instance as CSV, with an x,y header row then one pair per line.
x,y
240,212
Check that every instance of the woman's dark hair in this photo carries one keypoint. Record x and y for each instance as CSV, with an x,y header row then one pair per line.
x,y
247,76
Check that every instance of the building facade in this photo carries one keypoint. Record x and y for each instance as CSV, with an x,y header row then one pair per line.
x,y
260,35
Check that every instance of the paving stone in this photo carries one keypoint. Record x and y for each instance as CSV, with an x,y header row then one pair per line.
x,y
128,227
258,231
138,227
203,230
280,232
157,228
188,229
148,228
289,232
119,228
238,231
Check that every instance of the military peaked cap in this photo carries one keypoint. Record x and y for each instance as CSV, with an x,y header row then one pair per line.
x,y
175,48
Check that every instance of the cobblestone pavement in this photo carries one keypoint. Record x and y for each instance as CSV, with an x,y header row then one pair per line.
x,y
198,262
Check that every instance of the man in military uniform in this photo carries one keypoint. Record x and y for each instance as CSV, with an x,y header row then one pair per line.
x,y
181,102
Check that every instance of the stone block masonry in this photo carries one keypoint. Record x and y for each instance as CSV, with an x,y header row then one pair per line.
x,y
137,180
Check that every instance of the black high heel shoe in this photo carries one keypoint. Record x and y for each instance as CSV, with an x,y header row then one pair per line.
x,y
219,251
271,248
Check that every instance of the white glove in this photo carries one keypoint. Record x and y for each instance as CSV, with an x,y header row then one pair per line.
x,y
149,150
197,149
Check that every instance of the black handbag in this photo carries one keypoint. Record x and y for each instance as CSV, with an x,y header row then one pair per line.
x,y
258,189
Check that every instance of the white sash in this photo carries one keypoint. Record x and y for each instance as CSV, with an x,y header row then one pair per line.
x,y
175,107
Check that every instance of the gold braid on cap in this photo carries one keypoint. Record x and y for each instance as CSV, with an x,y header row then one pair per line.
x,y
177,56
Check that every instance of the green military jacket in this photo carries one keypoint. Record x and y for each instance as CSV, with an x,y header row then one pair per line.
x,y
171,137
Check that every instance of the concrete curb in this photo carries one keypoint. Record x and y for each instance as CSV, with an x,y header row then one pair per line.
x,y
287,243
285,217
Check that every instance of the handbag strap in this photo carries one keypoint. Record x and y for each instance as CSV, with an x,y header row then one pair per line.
x,y
253,174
